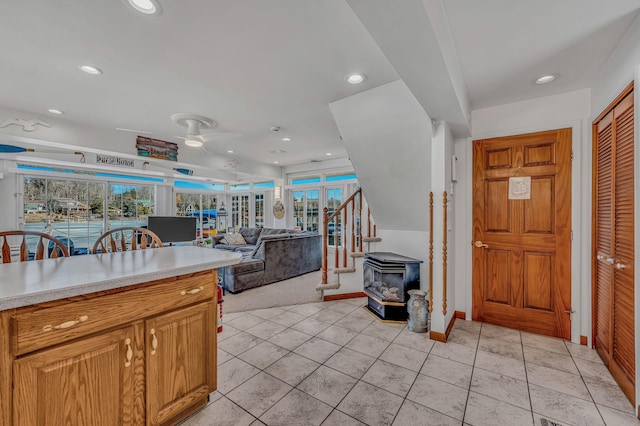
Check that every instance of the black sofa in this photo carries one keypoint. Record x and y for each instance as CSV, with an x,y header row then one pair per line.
x,y
275,255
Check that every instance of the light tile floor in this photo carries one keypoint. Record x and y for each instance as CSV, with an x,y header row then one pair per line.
x,y
331,363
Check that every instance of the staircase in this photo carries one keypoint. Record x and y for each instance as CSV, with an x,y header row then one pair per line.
x,y
348,239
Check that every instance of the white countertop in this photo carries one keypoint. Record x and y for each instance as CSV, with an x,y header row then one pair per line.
x,y
28,283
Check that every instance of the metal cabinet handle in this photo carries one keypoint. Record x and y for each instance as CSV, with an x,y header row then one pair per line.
x,y
193,291
480,244
600,257
66,324
154,341
129,356
610,260
620,266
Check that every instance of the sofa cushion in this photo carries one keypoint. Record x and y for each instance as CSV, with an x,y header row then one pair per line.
x,y
225,247
271,231
250,234
245,248
245,267
234,239
268,237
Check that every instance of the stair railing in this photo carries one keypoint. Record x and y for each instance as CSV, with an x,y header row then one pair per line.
x,y
350,210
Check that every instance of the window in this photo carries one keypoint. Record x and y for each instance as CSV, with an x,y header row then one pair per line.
x,y
306,209
259,206
305,181
336,178
74,210
201,206
334,199
240,211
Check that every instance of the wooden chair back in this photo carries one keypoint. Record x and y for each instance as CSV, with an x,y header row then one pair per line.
x,y
126,238
54,247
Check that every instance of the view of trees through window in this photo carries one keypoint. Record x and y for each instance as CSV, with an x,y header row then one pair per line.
x,y
306,209
74,210
201,206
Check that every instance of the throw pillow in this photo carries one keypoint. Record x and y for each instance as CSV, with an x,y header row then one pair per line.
x,y
234,239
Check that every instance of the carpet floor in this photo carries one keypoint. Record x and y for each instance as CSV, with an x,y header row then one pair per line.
x,y
294,291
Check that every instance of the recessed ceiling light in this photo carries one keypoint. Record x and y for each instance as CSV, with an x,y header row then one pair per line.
x,y
230,151
546,79
278,151
286,139
328,153
55,111
193,142
90,70
147,7
356,78
276,162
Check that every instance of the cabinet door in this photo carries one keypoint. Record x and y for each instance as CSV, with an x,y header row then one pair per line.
x,y
88,382
181,360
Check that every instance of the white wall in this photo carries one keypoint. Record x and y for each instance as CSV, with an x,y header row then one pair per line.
x,y
9,202
567,110
442,149
388,137
622,68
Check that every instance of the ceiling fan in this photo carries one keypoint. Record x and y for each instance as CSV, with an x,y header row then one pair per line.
x,y
194,123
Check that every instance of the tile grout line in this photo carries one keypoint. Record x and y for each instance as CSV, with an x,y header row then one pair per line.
x,y
526,377
473,369
585,385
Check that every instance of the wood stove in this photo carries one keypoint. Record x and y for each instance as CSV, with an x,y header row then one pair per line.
x,y
387,278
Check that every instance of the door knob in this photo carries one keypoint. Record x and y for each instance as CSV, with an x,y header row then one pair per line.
x,y
480,244
611,260
600,257
620,266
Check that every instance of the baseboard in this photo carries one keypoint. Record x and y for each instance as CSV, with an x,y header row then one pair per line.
x,y
442,337
461,315
329,297
583,340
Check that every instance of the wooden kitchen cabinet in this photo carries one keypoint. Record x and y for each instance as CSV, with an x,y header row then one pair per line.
x,y
178,352
89,382
143,354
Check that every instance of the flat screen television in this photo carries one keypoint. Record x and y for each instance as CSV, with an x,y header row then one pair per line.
x,y
173,229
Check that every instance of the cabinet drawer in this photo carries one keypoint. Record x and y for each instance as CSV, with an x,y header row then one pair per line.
x,y
49,326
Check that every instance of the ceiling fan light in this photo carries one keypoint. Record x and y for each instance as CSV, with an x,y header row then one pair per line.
x,y
193,142
146,7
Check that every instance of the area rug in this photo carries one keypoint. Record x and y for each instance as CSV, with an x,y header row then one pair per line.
x,y
294,291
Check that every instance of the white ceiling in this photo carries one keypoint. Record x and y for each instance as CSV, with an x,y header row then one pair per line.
x,y
254,64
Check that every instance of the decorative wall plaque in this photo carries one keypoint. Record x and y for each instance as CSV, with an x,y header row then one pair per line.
x,y
278,209
520,188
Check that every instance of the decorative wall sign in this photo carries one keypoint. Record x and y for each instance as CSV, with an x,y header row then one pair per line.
x,y
27,125
278,209
156,148
114,161
520,188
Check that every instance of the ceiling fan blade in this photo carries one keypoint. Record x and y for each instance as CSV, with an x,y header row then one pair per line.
x,y
221,136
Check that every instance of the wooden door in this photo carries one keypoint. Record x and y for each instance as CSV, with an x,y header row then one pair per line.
x,y
613,241
181,361
87,382
522,247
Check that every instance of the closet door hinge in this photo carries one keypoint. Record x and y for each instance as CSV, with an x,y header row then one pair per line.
x,y
571,155
572,235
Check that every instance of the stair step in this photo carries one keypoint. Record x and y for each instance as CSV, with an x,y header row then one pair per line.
x,y
343,270
328,286
357,254
371,239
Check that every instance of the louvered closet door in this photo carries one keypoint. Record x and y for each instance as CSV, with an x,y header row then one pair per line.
x,y
614,239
